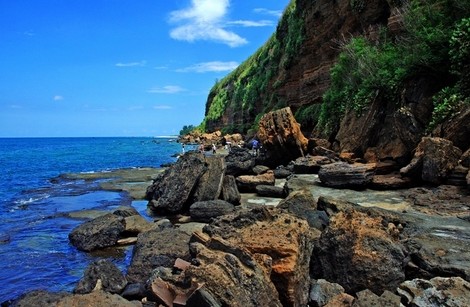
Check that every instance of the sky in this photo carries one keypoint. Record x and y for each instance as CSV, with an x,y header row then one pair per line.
x,y
80,68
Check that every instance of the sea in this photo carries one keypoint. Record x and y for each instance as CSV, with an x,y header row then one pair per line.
x,y
35,252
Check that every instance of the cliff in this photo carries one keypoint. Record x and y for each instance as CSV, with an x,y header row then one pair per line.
x,y
364,75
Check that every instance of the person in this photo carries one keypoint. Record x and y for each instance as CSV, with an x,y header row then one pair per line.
x,y
214,149
201,148
255,147
183,147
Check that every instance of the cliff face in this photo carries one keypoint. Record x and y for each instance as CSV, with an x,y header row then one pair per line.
x,y
294,69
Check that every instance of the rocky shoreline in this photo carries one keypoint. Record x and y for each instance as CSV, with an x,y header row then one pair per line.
x,y
237,229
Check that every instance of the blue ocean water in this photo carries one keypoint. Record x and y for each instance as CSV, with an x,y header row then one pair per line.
x,y
34,249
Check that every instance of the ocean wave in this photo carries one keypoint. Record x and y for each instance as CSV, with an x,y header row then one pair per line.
x,y
27,201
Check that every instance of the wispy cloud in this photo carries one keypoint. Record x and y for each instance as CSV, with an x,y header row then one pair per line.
x,y
251,23
134,108
264,11
132,64
168,89
58,98
215,66
203,20
162,107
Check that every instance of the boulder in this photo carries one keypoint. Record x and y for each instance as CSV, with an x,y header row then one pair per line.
x,y
125,211
433,161
95,298
322,291
100,232
465,158
210,183
439,291
260,169
239,161
324,152
230,275
281,137
270,191
282,172
345,175
303,205
205,211
136,224
230,191
309,164
278,238
456,129
357,251
367,298
248,183
112,280
171,191
156,248
390,182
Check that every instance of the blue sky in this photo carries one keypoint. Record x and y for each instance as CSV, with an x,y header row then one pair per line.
x,y
120,67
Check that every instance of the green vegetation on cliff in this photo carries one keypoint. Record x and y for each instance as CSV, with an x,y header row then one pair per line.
x,y
247,92
435,42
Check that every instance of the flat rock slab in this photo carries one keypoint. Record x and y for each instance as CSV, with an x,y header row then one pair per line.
x,y
345,175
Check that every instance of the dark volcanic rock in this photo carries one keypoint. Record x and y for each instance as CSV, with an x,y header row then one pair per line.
x,y
345,175
282,172
230,190
210,184
322,291
367,298
270,191
309,164
101,232
157,248
433,161
205,211
239,161
112,280
171,191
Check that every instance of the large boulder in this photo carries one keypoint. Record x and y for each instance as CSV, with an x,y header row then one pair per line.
x,y
309,164
345,175
279,238
100,232
239,161
439,291
433,161
357,251
171,191
281,137
205,211
156,248
111,278
230,191
210,183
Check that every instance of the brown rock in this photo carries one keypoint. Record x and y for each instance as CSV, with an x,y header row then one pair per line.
x,y
357,252
285,238
465,158
367,298
433,161
345,175
281,137
248,183
309,164
390,182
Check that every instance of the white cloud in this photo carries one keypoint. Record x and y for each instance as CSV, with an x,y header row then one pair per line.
x,y
58,98
264,11
203,20
251,23
162,107
167,89
216,66
132,64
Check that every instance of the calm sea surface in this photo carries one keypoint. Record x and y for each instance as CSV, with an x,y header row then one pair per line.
x,y
34,249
